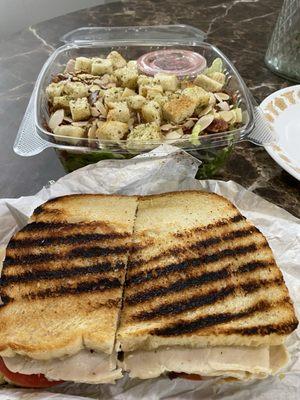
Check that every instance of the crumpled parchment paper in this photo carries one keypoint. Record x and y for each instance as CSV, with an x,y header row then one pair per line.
x,y
165,169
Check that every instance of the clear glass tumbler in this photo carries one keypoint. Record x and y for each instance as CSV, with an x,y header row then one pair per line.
x,y
283,54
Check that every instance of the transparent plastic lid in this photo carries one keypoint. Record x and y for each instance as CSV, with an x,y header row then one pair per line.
x,y
132,42
165,33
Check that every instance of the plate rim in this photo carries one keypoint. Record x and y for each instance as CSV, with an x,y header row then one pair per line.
x,y
269,148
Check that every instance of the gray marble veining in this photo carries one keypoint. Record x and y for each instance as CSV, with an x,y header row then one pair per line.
x,y
240,28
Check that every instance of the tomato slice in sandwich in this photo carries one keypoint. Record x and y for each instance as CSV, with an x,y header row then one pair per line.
x,y
30,381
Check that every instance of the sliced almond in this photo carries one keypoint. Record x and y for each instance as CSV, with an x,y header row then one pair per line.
x,y
205,110
212,99
68,119
199,127
224,106
130,123
95,112
98,82
101,108
56,119
174,135
109,85
92,131
220,96
93,97
94,88
205,121
70,67
189,124
80,123
167,127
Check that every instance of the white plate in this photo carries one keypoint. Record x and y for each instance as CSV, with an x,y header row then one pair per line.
x,y
282,109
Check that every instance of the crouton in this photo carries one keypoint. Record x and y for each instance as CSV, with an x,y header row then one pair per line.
x,y
112,130
101,66
167,81
83,64
143,134
80,109
113,95
116,59
71,131
119,112
136,102
151,112
76,89
197,94
127,77
178,109
61,102
161,99
55,89
128,93
208,84
152,91
144,80
132,64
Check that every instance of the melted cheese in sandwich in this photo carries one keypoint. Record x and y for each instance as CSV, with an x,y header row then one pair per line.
x,y
239,362
85,367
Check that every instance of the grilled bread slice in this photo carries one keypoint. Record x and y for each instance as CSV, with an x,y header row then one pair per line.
x,y
62,279
200,274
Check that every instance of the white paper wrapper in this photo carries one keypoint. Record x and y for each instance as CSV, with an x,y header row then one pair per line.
x,y
162,170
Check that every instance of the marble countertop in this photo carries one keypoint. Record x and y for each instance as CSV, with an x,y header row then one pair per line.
x,y
240,28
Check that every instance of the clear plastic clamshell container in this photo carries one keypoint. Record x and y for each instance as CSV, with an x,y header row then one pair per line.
x,y
132,43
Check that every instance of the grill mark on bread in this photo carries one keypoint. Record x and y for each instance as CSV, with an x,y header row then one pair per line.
x,y
207,277
204,243
253,286
44,225
82,252
211,297
109,303
59,273
178,286
60,240
147,242
82,287
186,327
237,234
236,218
145,276
39,210
280,329
38,226
182,306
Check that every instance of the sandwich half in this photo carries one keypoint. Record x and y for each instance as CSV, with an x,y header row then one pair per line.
x,y
203,293
61,288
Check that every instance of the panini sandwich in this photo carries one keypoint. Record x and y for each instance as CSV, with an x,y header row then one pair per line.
x,y
61,288
203,294
180,282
